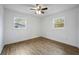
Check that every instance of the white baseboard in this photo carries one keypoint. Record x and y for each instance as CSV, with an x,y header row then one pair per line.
x,y
60,41
21,40
1,49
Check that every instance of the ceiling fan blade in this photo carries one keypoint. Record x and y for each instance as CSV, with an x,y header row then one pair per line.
x,y
33,9
37,4
42,12
44,8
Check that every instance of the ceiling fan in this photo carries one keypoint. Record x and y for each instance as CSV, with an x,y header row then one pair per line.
x,y
39,9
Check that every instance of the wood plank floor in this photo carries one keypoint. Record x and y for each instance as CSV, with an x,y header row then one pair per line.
x,y
39,46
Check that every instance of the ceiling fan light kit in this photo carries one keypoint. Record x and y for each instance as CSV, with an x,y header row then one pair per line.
x,y
38,12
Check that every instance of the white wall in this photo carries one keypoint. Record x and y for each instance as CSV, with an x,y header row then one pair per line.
x,y
1,27
78,27
67,35
14,35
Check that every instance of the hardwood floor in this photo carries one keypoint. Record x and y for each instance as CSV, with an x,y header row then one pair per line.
x,y
39,46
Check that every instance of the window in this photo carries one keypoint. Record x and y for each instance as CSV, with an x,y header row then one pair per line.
x,y
19,23
58,22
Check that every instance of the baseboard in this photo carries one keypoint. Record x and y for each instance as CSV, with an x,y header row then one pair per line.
x,y
1,50
61,42
46,38
22,40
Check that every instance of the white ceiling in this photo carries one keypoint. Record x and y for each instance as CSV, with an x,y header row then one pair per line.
x,y
52,8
